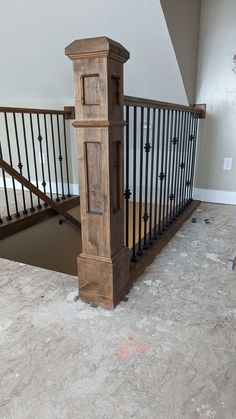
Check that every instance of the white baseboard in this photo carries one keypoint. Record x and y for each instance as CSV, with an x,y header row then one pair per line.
x,y
74,188
214,196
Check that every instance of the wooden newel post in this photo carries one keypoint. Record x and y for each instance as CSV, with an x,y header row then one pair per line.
x,y
103,264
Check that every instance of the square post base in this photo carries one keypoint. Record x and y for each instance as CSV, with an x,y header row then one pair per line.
x,y
104,281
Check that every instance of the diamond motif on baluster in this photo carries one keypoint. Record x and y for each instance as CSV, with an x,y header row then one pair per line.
x,y
191,137
182,165
127,194
44,184
171,197
147,147
175,141
60,158
40,138
188,183
20,165
145,217
162,176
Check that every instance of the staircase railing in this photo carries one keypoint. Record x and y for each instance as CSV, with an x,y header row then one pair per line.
x,y
160,148
35,143
132,189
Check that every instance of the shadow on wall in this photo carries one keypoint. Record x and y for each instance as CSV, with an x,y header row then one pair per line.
x,y
47,245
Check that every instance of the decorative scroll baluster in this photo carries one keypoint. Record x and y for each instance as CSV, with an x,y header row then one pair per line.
x,y
141,185
147,149
19,165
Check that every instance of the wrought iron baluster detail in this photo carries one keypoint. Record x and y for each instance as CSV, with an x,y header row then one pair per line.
x,y
17,214
152,173
66,155
165,196
162,174
54,158
147,149
182,164
60,158
157,173
39,206
40,139
170,173
134,257
186,159
194,154
127,189
190,141
48,155
19,165
139,252
9,218
180,134
27,161
174,165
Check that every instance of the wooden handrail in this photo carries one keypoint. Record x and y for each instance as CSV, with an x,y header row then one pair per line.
x,y
69,111
149,103
25,182
66,112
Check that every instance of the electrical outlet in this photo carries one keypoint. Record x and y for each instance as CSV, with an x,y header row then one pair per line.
x,y
227,163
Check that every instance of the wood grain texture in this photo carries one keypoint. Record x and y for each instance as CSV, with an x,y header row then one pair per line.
x,y
98,78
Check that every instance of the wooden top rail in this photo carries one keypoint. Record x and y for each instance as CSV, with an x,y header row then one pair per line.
x,y
68,111
149,103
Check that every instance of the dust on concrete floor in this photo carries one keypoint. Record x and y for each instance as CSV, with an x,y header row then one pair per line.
x,y
166,353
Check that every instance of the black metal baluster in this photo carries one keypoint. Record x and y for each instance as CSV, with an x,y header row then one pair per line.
x,y
54,158
39,206
170,173
27,160
9,218
191,138
60,158
48,155
147,149
152,173
165,197
179,162
172,194
66,155
17,214
40,139
157,173
194,154
182,164
139,252
127,193
134,257
162,174
186,159
19,165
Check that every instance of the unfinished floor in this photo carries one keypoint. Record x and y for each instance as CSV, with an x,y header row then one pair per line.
x,y
167,353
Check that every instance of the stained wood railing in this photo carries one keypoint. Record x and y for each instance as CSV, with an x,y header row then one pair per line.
x,y
155,178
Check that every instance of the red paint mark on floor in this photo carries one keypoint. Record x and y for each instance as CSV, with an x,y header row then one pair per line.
x,y
129,347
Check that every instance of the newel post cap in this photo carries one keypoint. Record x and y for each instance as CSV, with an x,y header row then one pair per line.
x,y
97,47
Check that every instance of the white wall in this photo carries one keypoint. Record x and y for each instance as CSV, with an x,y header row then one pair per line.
x,y
216,86
33,35
183,21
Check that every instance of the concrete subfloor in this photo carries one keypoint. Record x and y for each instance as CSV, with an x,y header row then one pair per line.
x,y
167,353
